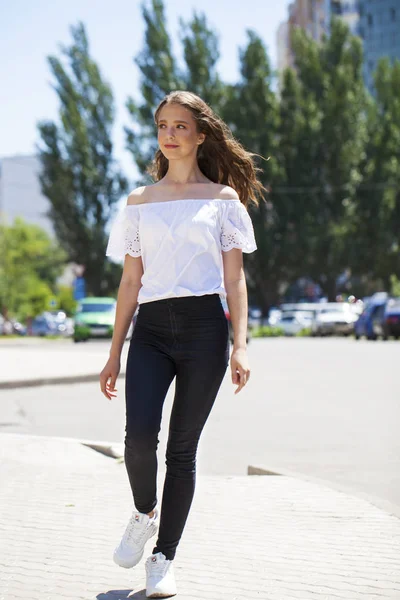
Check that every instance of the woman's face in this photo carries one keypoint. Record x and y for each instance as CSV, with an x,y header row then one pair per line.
x,y
177,132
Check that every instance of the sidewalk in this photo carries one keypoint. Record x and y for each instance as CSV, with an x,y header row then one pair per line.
x,y
63,507
25,364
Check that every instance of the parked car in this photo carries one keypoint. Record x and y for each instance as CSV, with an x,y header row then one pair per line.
x,y
335,318
228,317
65,325
95,318
49,323
11,327
293,322
273,316
392,317
386,320
374,307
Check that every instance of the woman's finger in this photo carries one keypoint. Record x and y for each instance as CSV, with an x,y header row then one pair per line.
x,y
243,379
239,381
113,379
235,376
103,385
110,388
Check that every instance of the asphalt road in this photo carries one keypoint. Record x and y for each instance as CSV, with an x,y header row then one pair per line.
x,y
327,408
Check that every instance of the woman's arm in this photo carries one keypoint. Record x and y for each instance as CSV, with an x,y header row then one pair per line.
x,y
236,296
128,291
126,305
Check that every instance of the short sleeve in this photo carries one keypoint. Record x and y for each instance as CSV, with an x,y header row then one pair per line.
x,y
237,228
124,235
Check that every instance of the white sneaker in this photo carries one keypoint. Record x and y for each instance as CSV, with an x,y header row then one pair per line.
x,y
160,582
139,529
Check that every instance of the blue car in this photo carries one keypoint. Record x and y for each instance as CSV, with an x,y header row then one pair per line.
x,y
365,325
386,323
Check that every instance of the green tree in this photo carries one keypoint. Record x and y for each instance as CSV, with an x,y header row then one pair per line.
x,y
251,110
65,299
30,263
201,53
331,83
159,76
377,223
79,174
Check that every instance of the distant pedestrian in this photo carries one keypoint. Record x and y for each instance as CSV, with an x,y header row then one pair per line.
x,y
182,238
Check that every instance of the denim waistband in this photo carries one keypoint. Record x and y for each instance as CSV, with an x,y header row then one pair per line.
x,y
186,307
205,299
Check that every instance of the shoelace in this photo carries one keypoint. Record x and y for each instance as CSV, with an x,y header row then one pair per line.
x,y
134,528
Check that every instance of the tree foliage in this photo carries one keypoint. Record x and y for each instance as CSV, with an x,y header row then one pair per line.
x,y
30,264
161,74
377,218
251,111
79,174
332,100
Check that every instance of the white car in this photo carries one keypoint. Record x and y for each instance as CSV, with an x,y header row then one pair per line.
x,y
335,318
292,322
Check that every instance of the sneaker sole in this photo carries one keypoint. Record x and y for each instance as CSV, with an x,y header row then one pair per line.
x,y
159,595
129,564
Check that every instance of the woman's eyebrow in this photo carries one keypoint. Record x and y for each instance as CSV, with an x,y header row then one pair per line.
x,y
178,121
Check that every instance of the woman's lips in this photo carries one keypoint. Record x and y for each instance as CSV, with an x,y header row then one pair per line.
x,y
171,146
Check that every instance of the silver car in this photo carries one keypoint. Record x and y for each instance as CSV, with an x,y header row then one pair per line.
x,y
293,322
336,318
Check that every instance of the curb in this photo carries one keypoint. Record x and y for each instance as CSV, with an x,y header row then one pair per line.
x,y
115,450
109,449
65,379
384,505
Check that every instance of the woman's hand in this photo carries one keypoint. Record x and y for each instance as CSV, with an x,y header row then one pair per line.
x,y
108,377
240,368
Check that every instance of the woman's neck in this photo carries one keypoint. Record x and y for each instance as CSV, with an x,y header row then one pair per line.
x,y
180,174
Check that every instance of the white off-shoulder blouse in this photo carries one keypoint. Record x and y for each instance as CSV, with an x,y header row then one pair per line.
x,y
181,244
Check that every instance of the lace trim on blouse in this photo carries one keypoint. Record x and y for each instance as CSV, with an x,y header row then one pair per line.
x,y
124,236
132,241
237,229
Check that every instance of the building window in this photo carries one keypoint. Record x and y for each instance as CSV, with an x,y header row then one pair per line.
x,y
370,20
393,14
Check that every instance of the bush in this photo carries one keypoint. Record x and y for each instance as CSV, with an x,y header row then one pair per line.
x,y
307,332
65,300
267,331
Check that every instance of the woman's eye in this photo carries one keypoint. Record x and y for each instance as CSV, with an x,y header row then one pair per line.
x,y
162,125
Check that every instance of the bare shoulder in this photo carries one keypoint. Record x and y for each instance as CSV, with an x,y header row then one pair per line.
x,y
225,192
138,195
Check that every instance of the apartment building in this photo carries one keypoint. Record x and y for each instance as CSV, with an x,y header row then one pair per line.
x,y
20,193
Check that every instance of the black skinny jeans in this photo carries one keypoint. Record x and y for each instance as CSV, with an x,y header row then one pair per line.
x,y
186,338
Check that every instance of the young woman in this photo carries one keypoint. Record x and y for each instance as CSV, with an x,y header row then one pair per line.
x,y
182,239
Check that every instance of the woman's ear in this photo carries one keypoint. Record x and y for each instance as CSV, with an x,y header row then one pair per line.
x,y
202,137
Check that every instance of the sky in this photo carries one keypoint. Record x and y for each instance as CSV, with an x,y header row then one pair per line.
x,y
31,31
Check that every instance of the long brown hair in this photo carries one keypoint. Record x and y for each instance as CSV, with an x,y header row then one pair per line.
x,y
220,157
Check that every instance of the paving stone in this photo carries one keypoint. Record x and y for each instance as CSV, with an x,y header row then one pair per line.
x,y
63,508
